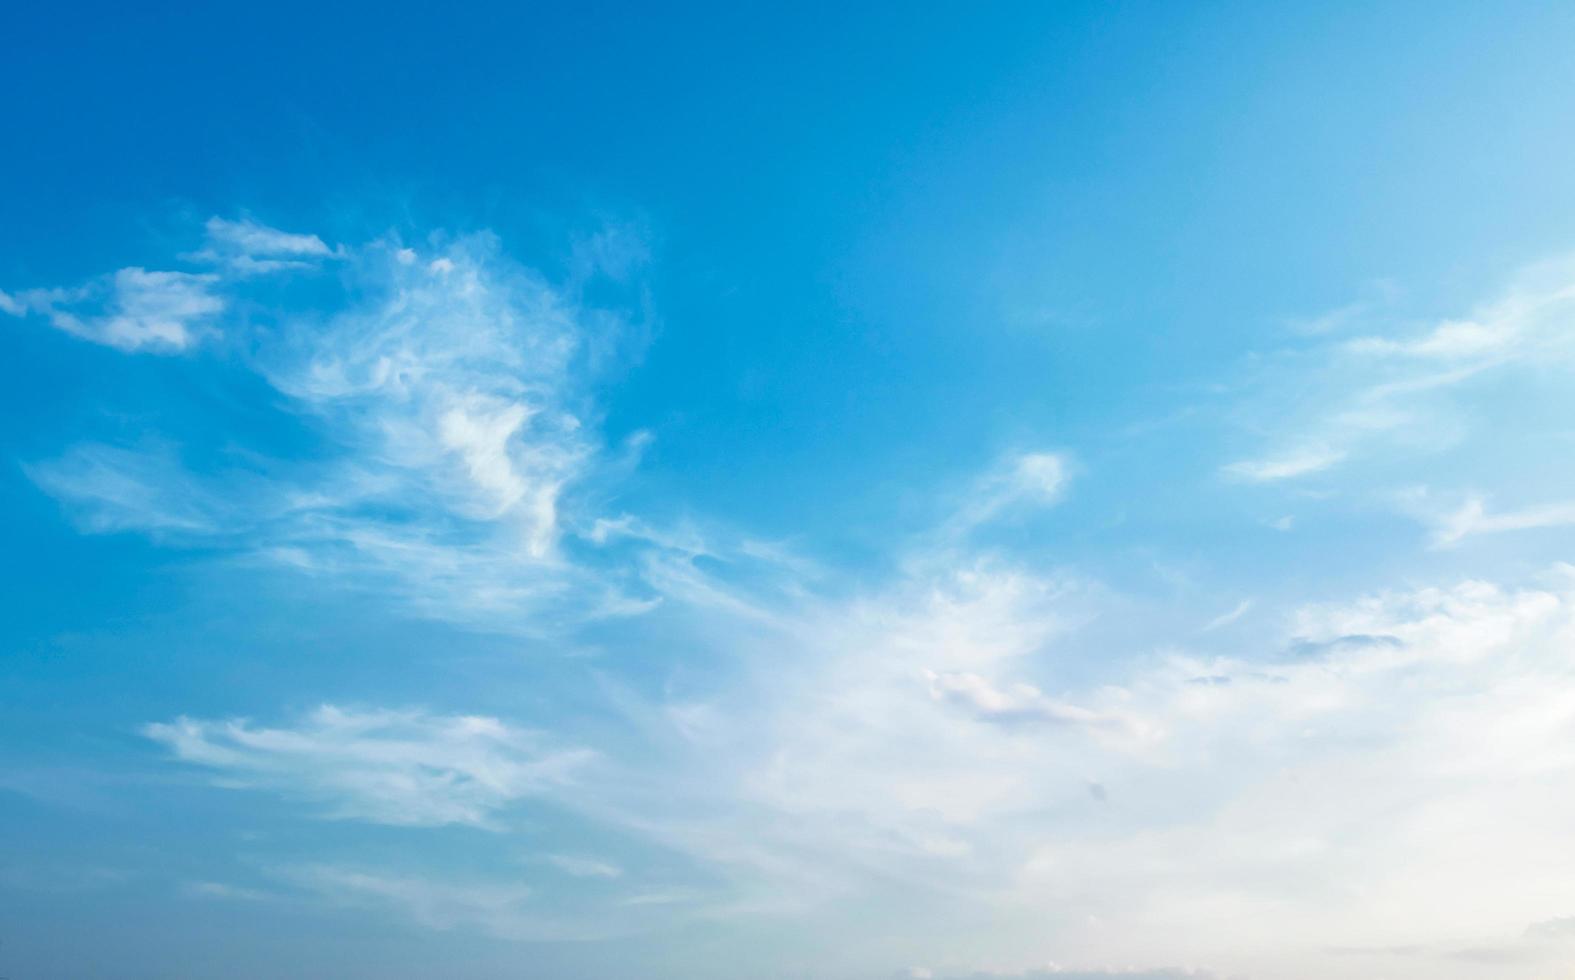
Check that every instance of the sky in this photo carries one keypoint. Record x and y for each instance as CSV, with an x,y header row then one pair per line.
x,y
818,492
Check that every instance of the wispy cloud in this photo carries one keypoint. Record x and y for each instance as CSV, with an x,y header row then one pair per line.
x,y
169,311
453,377
890,743
224,892
1403,390
246,248
1302,462
133,309
508,909
146,489
1016,482
505,911
1226,618
1021,704
395,767
452,384
579,866
1473,518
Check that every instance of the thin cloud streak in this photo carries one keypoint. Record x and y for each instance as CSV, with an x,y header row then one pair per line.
x,y
404,768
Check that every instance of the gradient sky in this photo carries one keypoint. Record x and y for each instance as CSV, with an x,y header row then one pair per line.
x,y
716,492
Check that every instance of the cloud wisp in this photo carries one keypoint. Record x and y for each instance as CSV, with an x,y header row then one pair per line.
x,y
449,391
504,911
1017,482
405,768
140,310
1474,518
1405,392
133,309
247,248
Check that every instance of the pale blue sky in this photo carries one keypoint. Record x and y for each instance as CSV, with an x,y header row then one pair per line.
x,y
1044,490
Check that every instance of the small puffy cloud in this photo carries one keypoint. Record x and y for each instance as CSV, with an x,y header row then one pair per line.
x,y
406,768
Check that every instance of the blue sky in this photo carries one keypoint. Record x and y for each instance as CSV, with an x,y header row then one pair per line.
x,y
1075,490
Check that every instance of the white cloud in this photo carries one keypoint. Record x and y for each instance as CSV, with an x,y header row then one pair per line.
x,y
844,758
1451,340
169,311
1017,481
1407,391
246,248
1302,462
132,310
1020,704
453,390
455,383
1226,618
1316,799
395,767
894,741
1473,518
254,239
